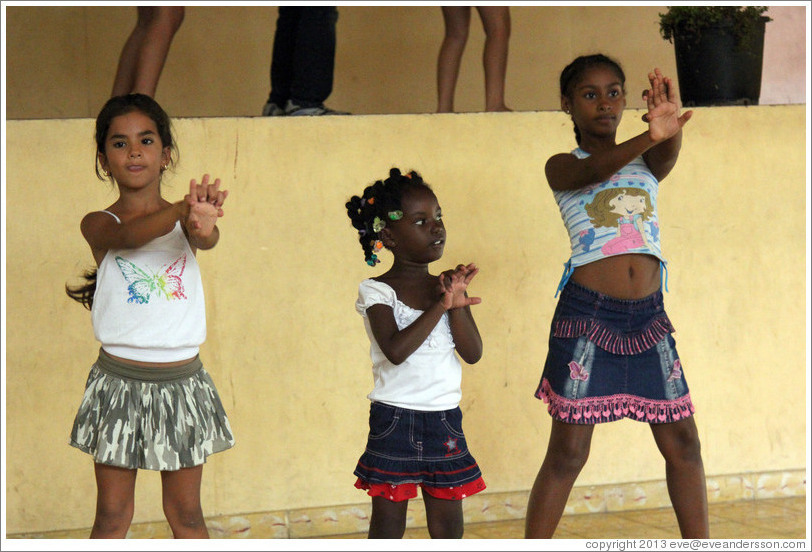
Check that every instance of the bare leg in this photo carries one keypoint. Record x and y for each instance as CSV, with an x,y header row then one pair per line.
x,y
144,54
457,20
496,22
115,502
444,517
388,520
567,453
181,501
685,475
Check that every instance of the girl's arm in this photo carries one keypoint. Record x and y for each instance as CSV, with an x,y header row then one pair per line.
x,y
664,113
564,171
398,344
103,232
467,340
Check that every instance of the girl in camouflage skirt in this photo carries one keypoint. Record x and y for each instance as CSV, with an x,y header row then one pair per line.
x,y
148,401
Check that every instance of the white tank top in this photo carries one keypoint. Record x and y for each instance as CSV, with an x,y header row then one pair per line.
x,y
149,304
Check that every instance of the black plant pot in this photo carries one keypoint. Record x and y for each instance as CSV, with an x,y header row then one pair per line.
x,y
713,68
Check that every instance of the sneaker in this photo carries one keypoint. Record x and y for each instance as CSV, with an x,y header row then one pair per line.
x,y
272,110
293,110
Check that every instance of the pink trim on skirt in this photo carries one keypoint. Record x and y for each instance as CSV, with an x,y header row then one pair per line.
x,y
610,339
596,410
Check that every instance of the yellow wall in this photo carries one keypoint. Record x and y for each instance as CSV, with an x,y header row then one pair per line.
x,y
62,59
290,356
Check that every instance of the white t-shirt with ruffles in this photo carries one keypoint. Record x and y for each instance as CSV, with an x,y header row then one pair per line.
x,y
430,379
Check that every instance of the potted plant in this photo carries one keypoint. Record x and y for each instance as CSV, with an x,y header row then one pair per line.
x,y
719,52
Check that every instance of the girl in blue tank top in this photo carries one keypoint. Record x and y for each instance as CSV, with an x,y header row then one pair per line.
x,y
611,354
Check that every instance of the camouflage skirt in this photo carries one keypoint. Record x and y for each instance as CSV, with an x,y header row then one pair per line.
x,y
156,419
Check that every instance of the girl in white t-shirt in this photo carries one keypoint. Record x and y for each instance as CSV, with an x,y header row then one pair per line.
x,y
415,322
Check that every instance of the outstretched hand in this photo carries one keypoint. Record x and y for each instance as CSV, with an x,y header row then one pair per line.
x,y
205,205
663,117
453,286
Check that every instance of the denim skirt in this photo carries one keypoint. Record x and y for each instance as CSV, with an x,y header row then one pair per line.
x,y
409,448
160,419
612,358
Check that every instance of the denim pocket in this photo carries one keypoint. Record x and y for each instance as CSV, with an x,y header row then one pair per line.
x,y
383,420
452,421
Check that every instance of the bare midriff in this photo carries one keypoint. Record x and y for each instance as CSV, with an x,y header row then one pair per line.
x,y
621,276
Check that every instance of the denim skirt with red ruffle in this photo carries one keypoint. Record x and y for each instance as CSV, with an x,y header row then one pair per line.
x,y
407,449
610,359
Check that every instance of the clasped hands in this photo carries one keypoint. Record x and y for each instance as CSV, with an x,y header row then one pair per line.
x,y
663,115
203,205
453,286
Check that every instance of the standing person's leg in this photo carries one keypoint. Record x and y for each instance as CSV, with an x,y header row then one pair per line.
x,y
314,56
496,22
115,502
388,519
443,517
457,20
567,453
144,54
181,502
282,58
685,475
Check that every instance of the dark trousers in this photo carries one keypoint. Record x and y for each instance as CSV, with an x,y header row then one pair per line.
x,y
303,56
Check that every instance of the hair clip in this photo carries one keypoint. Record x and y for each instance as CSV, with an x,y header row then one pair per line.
x,y
378,225
395,215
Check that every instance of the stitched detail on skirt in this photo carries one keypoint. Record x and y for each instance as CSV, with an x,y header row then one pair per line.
x,y
611,339
595,410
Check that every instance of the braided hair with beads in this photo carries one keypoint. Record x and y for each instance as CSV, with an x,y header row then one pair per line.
x,y
378,205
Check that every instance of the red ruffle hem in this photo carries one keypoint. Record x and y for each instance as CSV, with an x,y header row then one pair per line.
x,y
405,491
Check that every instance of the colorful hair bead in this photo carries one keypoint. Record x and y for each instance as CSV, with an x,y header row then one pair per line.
x,y
378,245
373,260
378,225
395,215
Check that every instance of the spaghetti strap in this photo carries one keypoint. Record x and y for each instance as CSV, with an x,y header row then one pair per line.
x,y
118,220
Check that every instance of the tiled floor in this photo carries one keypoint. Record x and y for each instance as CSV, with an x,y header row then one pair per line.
x,y
778,518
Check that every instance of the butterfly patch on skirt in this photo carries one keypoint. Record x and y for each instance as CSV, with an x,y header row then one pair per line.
x,y
165,283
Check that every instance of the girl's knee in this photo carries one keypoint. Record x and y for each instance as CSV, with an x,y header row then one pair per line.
x,y
680,443
568,456
113,519
388,519
186,521
444,518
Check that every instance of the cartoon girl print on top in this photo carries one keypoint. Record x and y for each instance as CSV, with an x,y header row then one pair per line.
x,y
625,209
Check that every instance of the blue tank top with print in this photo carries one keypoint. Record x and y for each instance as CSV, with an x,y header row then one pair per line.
x,y
614,217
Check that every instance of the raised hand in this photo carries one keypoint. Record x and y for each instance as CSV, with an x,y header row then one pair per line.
x,y
663,115
205,203
453,286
